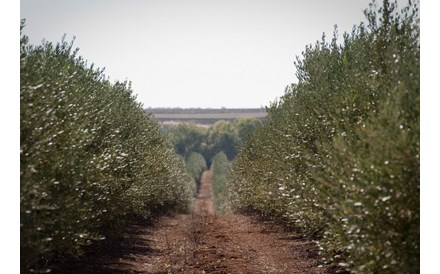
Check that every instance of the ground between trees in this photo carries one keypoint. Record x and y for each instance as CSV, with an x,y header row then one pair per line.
x,y
203,242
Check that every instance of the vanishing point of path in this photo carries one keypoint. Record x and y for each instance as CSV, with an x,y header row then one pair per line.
x,y
203,242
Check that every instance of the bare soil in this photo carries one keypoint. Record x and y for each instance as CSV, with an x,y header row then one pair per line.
x,y
203,242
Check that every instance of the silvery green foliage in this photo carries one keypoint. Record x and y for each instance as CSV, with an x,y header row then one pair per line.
x,y
89,157
220,168
338,155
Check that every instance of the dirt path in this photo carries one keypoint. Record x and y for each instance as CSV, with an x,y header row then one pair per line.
x,y
207,243
204,205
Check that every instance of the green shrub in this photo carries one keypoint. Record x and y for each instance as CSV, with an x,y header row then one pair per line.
x,y
89,157
196,165
220,168
338,155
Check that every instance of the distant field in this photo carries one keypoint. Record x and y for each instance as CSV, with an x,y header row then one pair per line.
x,y
171,116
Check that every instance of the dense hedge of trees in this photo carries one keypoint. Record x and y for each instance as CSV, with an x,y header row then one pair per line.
x,y
89,156
220,168
187,138
221,136
338,155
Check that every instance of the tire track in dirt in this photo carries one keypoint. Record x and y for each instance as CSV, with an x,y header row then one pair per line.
x,y
203,242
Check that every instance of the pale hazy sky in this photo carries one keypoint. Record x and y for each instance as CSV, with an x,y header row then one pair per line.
x,y
177,53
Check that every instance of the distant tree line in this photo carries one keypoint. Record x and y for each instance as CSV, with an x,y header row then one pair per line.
x,y
223,136
211,147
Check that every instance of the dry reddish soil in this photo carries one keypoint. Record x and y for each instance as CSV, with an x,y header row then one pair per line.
x,y
203,242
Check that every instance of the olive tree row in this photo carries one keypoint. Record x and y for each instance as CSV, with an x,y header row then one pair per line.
x,y
338,155
89,156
